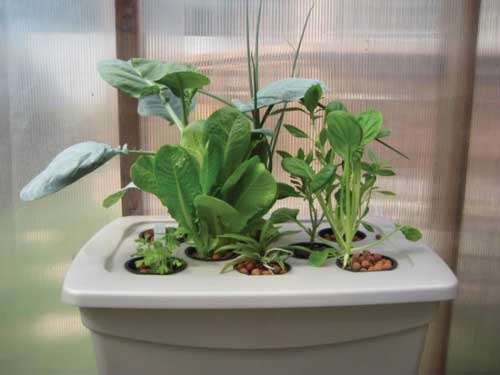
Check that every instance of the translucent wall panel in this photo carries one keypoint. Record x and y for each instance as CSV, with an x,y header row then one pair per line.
x,y
411,59
50,98
474,340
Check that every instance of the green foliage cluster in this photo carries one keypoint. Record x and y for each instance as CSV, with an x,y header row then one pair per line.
x,y
157,254
217,183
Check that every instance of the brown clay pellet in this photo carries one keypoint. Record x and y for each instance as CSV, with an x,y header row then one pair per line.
x,y
356,266
365,264
256,272
363,270
250,266
378,267
243,270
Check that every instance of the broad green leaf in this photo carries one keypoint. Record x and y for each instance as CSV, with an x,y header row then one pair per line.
x,y
285,191
178,183
218,216
151,70
112,199
297,167
410,233
67,167
344,133
212,164
312,97
180,81
151,105
282,91
254,193
283,215
371,123
323,178
233,129
194,139
319,258
122,75
334,106
142,174
296,132
238,173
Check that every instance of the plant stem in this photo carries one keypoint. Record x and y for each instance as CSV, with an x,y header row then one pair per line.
x,y
222,100
371,244
171,112
139,152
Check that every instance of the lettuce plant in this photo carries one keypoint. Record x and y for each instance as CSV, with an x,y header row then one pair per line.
x,y
348,136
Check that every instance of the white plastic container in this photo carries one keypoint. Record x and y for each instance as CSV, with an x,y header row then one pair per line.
x,y
310,320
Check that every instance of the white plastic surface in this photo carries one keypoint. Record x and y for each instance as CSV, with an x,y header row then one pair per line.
x,y
97,277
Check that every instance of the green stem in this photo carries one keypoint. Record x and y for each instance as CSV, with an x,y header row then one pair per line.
x,y
139,152
222,100
177,121
327,210
378,242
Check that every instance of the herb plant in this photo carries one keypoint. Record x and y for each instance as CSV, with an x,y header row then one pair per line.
x,y
157,255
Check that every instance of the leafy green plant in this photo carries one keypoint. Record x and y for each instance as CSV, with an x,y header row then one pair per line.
x,y
306,182
348,136
259,249
157,256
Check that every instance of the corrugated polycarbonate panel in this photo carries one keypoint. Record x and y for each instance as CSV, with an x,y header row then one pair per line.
x,y
51,97
411,59
474,339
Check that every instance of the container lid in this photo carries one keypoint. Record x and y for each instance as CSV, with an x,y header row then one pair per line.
x,y
97,277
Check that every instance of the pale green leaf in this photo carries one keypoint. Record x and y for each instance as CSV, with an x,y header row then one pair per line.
x,y
344,133
142,174
112,199
297,167
296,132
371,123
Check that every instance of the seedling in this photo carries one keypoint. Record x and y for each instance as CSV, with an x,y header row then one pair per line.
x,y
157,255
258,256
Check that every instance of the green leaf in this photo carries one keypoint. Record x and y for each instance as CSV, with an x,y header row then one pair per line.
x,y
282,91
383,133
371,123
312,97
151,70
334,106
386,192
344,133
218,216
283,215
178,183
297,167
263,131
194,139
67,167
410,233
367,226
142,174
151,105
319,258
233,129
123,76
212,164
384,172
237,175
285,191
180,81
296,132
284,154
323,178
254,193
112,199
373,158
